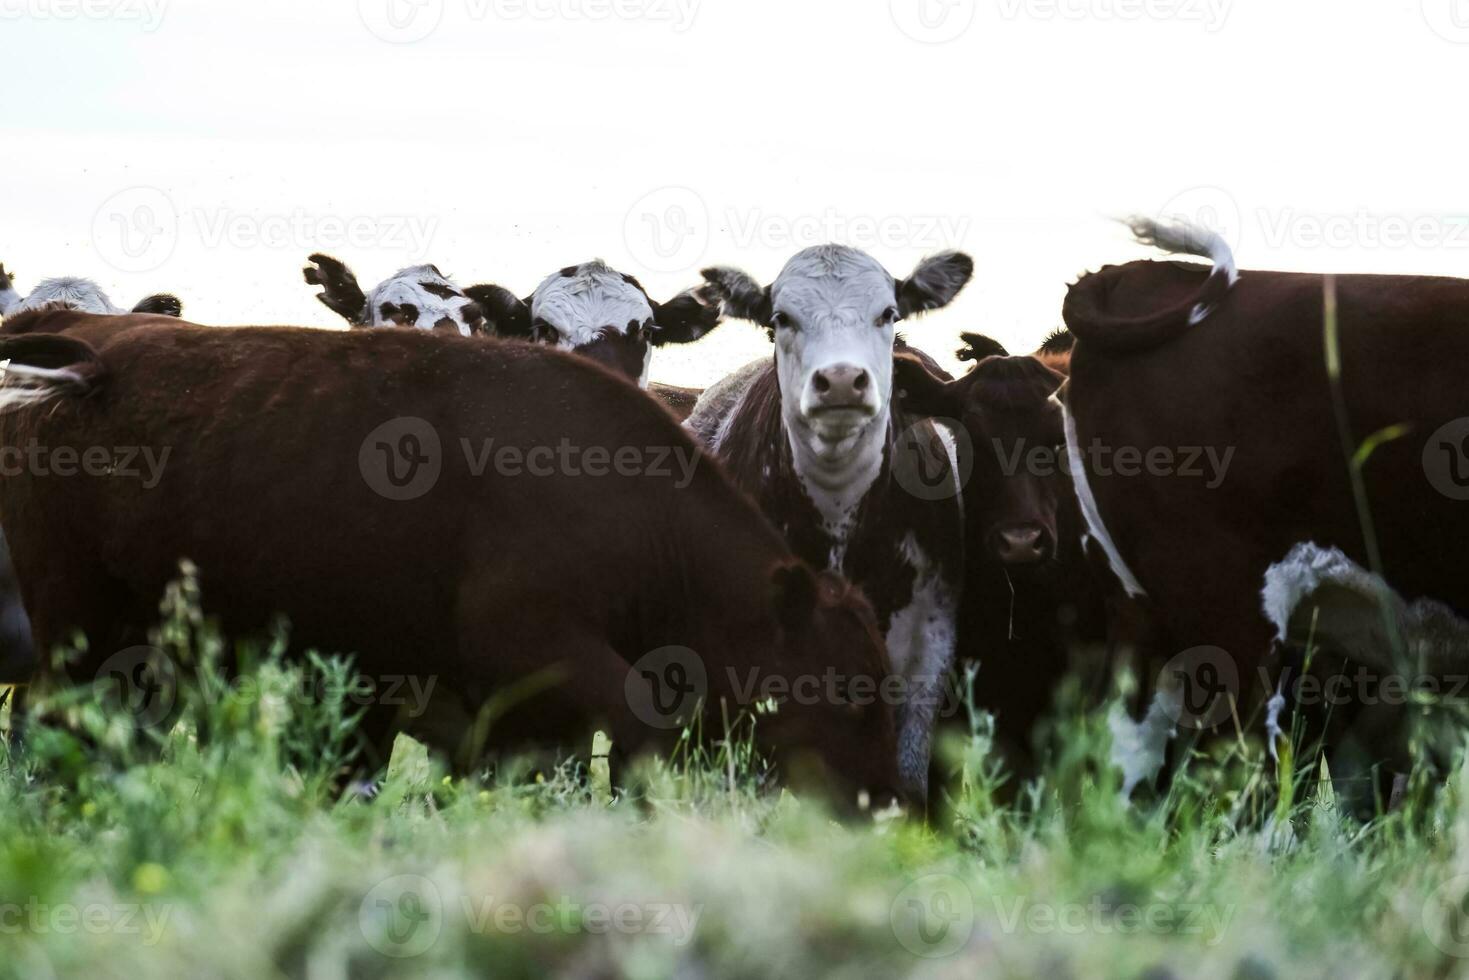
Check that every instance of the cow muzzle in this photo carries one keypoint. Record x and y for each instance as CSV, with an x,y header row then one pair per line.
x,y
841,393
1022,544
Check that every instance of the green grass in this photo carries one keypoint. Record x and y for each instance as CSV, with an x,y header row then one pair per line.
x,y
235,844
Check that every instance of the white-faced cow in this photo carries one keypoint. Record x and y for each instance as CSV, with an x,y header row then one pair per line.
x,y
418,296
72,293
853,482
1208,442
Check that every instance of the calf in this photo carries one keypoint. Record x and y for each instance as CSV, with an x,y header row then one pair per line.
x,y
408,496
853,482
1217,385
76,294
418,296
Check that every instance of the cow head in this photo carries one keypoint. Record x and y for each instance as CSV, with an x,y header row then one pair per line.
x,y
832,313
82,295
845,736
1008,408
419,296
600,313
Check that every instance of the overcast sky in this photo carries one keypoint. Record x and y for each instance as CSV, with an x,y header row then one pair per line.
x,y
205,147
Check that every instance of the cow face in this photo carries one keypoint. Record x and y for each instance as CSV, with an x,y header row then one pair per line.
x,y
832,313
1008,409
839,733
602,314
82,295
419,296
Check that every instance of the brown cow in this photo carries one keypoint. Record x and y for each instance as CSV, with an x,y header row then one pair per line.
x,y
1208,442
481,511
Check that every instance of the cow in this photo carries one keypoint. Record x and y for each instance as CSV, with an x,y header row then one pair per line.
x,y
591,309
503,516
72,293
1241,424
1035,608
853,483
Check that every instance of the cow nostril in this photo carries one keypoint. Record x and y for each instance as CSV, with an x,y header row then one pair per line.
x,y
822,383
860,382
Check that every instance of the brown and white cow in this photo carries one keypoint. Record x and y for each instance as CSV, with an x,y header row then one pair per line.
x,y
1240,450
590,309
72,293
290,453
853,482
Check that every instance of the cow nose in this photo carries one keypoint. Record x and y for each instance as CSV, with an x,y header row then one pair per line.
x,y
841,385
1022,544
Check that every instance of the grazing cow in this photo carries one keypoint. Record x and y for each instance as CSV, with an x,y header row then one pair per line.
x,y
603,314
76,294
1207,441
502,516
1033,608
591,309
419,296
854,483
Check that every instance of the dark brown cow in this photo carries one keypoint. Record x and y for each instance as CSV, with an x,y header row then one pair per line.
x,y
1215,386
479,511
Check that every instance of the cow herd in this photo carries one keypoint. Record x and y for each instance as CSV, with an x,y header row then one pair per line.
x,y
1231,481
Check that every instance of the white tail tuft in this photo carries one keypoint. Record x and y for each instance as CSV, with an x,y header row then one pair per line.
x,y
1183,238
22,385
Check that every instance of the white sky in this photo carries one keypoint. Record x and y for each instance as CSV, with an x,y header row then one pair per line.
x,y
519,136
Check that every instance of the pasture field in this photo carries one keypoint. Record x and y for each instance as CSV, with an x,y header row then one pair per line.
x,y
231,845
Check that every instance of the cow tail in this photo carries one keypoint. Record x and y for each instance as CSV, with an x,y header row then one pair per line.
x,y
1086,308
35,368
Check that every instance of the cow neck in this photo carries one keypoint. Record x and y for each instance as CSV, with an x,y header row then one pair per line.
x,y
838,486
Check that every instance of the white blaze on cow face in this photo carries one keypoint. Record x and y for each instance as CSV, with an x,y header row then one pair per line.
x,y
82,295
834,311
423,297
598,312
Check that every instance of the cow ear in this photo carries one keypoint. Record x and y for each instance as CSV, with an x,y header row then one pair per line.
x,y
9,298
935,283
919,390
977,347
340,292
163,304
739,295
793,589
507,314
687,317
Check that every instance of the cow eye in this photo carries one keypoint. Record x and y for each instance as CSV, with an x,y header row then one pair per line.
x,y
780,321
888,317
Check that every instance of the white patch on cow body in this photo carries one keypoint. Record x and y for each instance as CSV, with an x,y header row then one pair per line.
x,y
407,287
1139,748
1081,484
921,640
582,305
82,295
9,300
